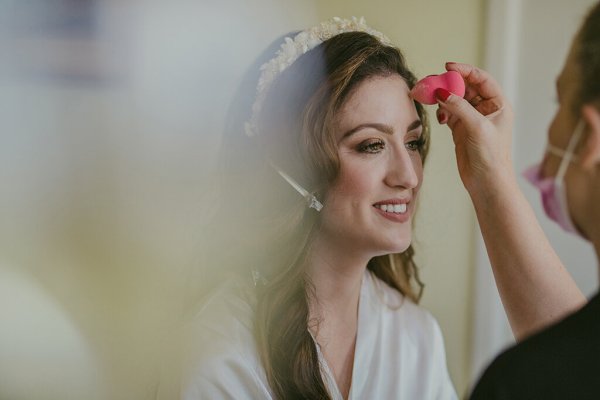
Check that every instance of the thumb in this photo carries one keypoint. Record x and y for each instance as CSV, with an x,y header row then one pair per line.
x,y
459,109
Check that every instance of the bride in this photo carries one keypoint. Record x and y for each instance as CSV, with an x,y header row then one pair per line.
x,y
323,169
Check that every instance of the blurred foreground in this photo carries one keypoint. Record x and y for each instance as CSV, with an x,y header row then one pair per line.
x,y
110,120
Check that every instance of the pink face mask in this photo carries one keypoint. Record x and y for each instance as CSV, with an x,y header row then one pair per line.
x,y
552,189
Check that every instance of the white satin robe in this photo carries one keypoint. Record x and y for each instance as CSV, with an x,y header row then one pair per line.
x,y
399,350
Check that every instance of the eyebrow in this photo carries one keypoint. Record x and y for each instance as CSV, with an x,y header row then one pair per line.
x,y
381,127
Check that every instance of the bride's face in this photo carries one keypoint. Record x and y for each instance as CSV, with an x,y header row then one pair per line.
x,y
369,207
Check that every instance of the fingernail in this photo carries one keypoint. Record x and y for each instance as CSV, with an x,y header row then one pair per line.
x,y
442,118
442,94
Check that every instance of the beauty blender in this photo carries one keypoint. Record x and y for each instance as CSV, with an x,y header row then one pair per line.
x,y
424,90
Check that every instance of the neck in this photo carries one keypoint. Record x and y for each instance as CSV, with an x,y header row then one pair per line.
x,y
336,275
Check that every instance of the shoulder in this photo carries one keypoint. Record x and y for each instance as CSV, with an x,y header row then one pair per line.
x,y
219,352
556,362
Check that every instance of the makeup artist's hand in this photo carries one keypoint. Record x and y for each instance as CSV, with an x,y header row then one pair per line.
x,y
481,125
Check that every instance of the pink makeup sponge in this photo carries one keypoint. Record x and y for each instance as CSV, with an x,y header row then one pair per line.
x,y
424,90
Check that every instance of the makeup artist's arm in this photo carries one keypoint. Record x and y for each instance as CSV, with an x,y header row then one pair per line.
x,y
535,288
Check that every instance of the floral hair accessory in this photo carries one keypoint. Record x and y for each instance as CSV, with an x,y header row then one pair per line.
x,y
292,49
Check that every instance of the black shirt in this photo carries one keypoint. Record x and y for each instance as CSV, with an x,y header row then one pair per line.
x,y
560,362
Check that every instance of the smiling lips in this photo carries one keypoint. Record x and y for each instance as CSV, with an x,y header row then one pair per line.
x,y
396,209
393,208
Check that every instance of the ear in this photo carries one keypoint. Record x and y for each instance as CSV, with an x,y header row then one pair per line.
x,y
590,152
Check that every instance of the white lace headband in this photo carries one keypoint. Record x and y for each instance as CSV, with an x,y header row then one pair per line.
x,y
290,51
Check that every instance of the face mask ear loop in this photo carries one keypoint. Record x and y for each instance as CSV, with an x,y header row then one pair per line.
x,y
564,164
310,198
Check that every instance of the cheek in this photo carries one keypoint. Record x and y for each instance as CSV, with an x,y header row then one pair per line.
x,y
561,127
550,164
577,188
354,186
554,127
354,182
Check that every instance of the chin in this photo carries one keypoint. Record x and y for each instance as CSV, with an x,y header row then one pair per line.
x,y
397,247
403,248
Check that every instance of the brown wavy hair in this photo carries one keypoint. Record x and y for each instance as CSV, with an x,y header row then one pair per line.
x,y
295,132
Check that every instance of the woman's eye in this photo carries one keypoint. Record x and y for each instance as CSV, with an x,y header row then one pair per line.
x,y
416,145
371,146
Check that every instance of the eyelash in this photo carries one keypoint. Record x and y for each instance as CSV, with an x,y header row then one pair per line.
x,y
371,146
375,146
417,145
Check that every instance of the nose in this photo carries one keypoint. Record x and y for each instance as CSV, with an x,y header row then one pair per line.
x,y
402,169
